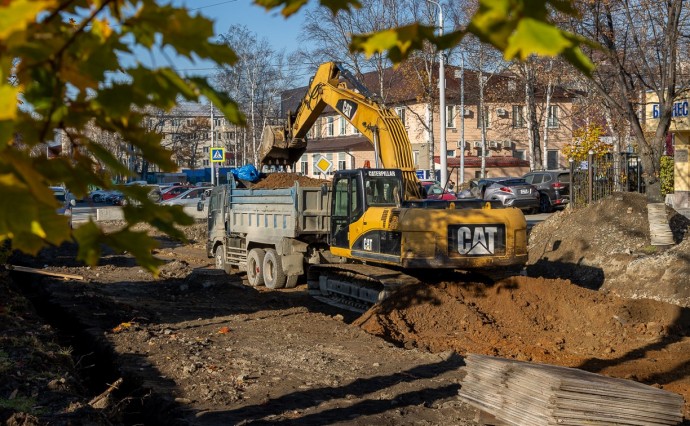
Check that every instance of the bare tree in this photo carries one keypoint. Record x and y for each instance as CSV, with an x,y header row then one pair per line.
x,y
191,136
644,44
254,81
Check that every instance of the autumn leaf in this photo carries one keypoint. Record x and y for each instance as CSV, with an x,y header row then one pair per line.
x,y
224,330
122,327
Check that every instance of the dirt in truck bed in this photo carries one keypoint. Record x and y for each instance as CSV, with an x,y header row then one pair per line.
x,y
286,180
196,346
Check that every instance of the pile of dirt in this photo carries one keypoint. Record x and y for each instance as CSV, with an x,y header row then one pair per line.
x,y
568,311
287,180
606,246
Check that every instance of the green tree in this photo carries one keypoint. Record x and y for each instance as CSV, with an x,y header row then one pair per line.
x,y
63,70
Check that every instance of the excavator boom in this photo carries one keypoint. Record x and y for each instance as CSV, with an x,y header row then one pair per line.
x,y
379,124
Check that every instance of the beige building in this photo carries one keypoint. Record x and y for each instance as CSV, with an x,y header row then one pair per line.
x,y
507,151
680,129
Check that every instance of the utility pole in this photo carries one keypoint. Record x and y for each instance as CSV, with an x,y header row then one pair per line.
x,y
213,164
443,154
462,118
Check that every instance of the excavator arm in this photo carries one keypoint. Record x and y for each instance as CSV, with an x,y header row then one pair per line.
x,y
380,125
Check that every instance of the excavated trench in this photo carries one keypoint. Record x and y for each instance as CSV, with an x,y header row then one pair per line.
x,y
96,365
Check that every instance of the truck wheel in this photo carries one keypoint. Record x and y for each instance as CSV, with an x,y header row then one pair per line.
x,y
255,262
274,277
291,281
220,259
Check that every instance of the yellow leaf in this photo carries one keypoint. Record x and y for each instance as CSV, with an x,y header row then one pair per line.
x,y
122,327
37,229
102,29
8,102
19,13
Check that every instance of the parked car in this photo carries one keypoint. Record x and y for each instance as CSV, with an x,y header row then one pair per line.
x,y
188,198
553,186
173,191
99,195
434,191
510,191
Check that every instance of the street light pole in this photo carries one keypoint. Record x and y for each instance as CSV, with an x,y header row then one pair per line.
x,y
462,118
443,154
213,164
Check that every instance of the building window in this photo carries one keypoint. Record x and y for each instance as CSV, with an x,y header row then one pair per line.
x,y
519,153
401,113
317,129
552,159
518,116
415,158
343,126
487,118
329,126
450,153
205,163
206,150
304,164
553,116
342,163
450,116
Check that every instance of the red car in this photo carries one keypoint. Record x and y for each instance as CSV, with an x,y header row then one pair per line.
x,y
173,191
434,191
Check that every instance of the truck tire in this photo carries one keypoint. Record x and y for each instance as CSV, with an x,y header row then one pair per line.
x,y
291,281
220,258
255,266
274,277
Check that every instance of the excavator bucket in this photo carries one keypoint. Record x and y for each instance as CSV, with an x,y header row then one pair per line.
x,y
275,149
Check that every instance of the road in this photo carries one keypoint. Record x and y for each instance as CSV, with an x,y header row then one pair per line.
x,y
85,210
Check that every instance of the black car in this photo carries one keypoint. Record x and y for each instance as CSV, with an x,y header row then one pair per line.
x,y
553,186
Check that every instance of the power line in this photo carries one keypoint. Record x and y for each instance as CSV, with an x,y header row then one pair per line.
x,y
212,5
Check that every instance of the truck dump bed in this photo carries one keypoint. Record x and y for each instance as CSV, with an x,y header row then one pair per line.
x,y
268,215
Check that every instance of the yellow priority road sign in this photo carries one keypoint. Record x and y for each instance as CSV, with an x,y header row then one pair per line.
x,y
217,155
323,165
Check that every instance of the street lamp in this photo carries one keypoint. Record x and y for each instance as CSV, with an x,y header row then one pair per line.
x,y
443,155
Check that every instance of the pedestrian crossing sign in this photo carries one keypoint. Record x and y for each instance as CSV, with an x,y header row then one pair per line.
x,y
217,155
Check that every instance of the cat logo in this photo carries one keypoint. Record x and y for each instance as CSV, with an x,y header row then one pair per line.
x,y
347,108
477,240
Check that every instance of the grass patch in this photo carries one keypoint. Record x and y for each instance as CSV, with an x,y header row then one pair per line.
x,y
649,249
20,403
5,362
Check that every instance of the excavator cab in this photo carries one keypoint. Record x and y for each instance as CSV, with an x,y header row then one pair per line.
x,y
355,191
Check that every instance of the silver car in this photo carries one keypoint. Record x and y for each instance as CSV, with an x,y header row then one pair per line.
x,y
511,192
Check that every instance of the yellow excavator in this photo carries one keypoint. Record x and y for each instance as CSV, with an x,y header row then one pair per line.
x,y
381,231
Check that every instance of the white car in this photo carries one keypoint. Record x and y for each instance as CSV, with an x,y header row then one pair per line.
x,y
188,198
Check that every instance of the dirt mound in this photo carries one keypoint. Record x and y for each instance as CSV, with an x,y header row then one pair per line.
x,y
286,180
606,246
568,311
542,320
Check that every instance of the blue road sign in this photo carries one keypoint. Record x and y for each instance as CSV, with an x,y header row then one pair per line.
x,y
217,155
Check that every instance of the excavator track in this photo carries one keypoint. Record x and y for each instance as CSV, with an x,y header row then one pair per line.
x,y
355,287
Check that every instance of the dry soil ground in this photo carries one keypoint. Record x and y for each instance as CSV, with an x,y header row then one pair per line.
x,y
198,347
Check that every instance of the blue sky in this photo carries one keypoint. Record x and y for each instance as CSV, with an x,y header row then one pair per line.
x,y
281,33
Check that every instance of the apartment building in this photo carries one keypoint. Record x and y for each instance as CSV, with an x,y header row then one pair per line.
x,y
507,150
